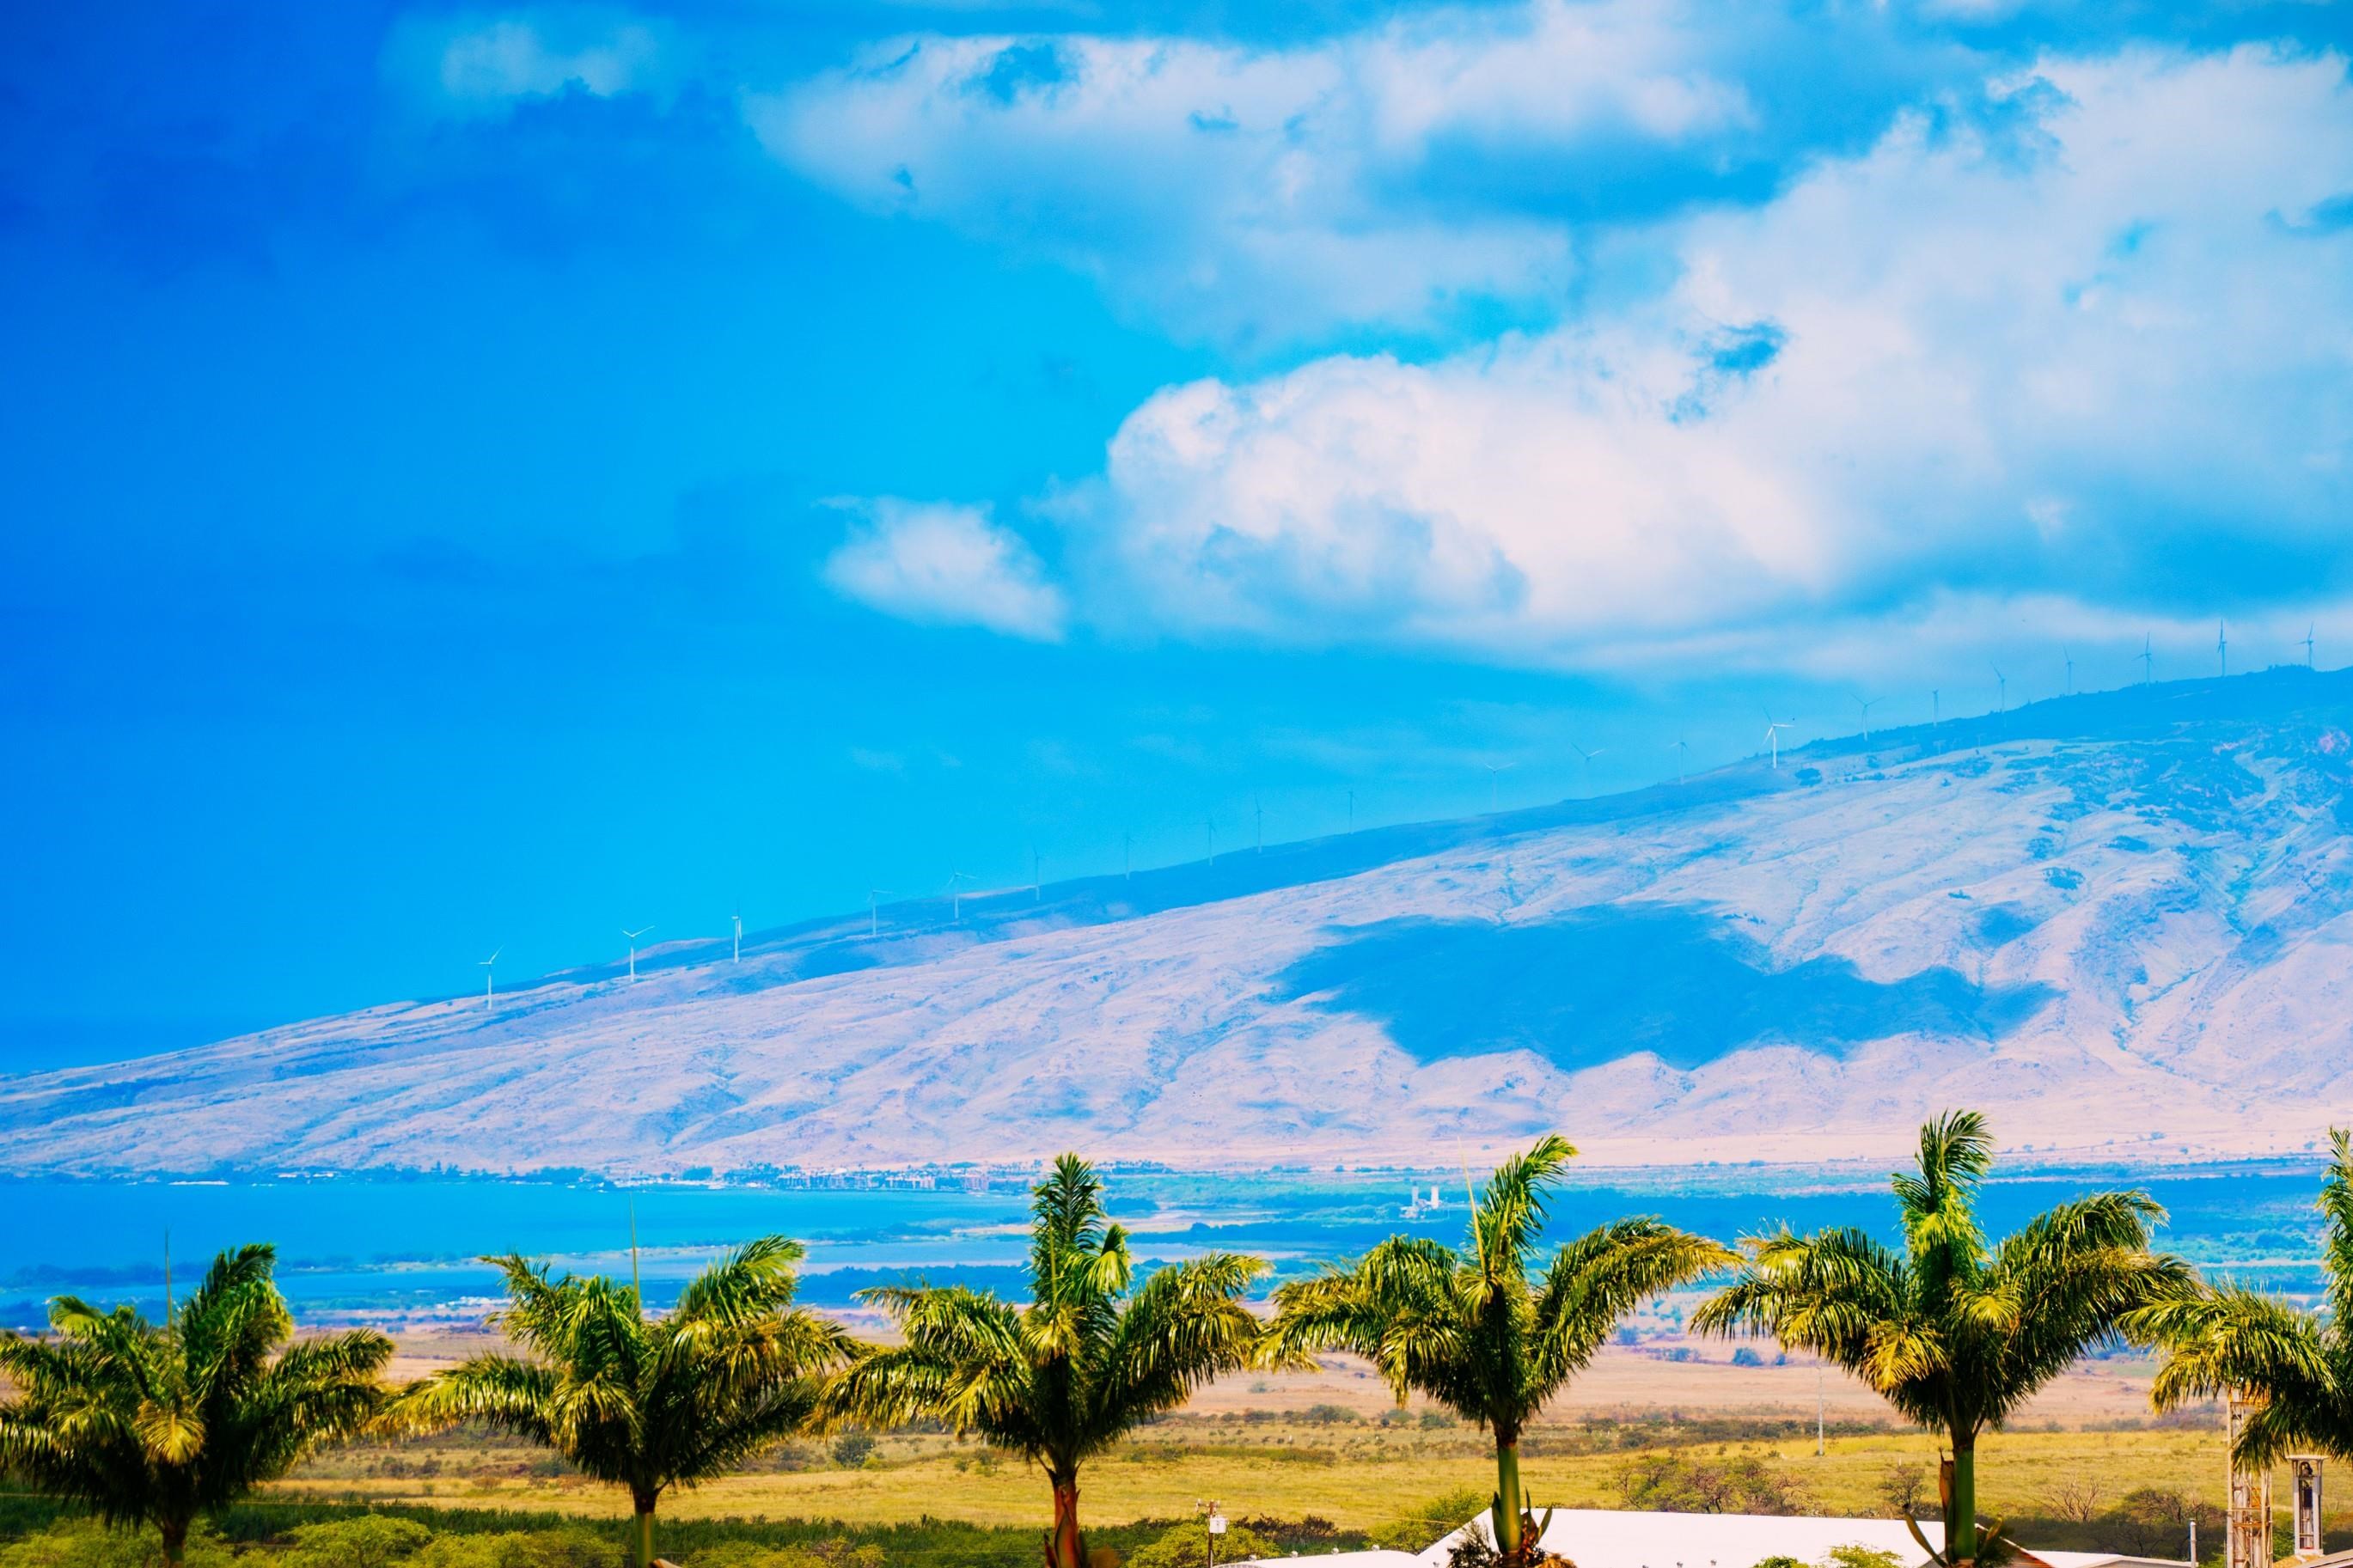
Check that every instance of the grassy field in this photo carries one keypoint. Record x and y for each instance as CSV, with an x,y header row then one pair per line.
x,y
1329,1444
1327,1455
1292,1471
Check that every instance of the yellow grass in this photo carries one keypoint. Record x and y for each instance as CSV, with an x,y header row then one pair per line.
x,y
1358,1475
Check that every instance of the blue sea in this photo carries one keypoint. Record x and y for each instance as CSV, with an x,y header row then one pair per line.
x,y
409,1251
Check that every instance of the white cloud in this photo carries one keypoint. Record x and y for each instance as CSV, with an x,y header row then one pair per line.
x,y
2080,357
473,66
943,565
1255,193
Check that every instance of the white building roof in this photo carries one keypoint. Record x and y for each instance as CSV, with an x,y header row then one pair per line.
x,y
1613,1538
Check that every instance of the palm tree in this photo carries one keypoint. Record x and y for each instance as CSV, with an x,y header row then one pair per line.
x,y
155,1424
1955,1331
640,1402
1063,1378
1474,1331
2297,1366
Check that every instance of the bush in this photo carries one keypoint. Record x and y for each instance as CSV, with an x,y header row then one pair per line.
x,y
1672,1484
371,1542
834,1553
1187,1545
1431,1521
1863,1557
520,1549
852,1449
86,1544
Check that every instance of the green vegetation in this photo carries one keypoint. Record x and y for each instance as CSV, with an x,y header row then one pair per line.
x,y
1955,1332
213,1440
1086,1362
147,1424
2228,1339
642,1402
1474,1331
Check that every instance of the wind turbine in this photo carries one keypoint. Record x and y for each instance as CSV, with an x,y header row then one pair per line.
x,y
955,895
2307,644
1773,728
1209,826
2222,648
1037,887
2002,686
1587,757
2148,659
1935,707
1496,771
2070,658
874,910
739,933
633,936
1127,856
1866,704
1682,755
486,976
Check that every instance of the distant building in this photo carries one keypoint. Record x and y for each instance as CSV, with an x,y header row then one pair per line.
x,y
1613,1538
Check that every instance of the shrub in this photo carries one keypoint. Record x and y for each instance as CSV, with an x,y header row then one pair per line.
x,y
836,1553
370,1543
520,1549
86,1544
1187,1545
1430,1522
1863,1557
852,1449
1671,1483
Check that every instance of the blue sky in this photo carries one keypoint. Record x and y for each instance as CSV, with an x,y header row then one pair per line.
x,y
481,476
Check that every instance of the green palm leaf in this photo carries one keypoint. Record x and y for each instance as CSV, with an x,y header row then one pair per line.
x,y
1471,1330
157,1424
1955,1331
650,1403
2297,1367
1064,1377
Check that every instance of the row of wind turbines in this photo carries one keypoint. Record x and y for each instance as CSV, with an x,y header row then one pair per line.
x,y
955,890
2145,658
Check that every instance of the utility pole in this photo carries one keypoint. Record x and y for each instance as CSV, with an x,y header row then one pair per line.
x,y
1216,1523
1817,1410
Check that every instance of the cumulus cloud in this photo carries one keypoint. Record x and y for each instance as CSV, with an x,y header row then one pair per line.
x,y
943,565
476,66
2065,347
1270,192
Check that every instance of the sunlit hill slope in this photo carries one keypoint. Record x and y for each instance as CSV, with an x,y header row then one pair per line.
x,y
2118,922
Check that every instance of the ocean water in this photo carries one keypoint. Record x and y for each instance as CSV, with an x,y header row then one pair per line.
x,y
410,1250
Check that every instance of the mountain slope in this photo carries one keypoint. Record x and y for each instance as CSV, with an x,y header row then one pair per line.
x,y
2118,922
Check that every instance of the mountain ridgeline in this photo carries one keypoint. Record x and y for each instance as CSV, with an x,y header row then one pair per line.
x,y
2119,921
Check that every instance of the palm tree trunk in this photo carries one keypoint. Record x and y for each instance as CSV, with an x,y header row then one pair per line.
x,y
645,1522
1961,1513
1509,1505
1063,1548
175,1541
